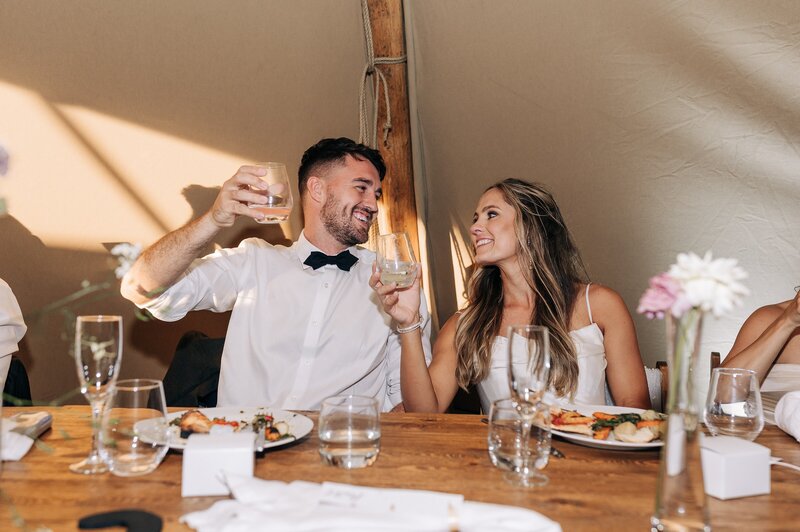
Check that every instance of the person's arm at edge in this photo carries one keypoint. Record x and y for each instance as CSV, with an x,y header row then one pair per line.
x,y
625,371
161,264
762,338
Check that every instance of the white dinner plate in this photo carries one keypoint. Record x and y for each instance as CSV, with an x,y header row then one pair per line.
x,y
609,444
299,425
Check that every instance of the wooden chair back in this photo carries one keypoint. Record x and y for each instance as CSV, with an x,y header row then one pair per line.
x,y
662,366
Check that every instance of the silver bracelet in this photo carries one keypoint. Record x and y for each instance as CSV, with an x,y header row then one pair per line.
x,y
414,327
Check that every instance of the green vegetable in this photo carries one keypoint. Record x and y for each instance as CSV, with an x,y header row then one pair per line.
x,y
620,418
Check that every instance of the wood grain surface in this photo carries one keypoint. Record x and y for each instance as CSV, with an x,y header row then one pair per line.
x,y
590,489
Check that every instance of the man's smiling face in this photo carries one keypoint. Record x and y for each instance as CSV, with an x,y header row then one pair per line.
x,y
352,193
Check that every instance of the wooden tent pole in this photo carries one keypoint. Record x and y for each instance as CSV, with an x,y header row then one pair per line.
x,y
399,201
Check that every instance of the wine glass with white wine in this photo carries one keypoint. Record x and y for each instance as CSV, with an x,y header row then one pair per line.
x,y
98,353
528,373
278,193
396,260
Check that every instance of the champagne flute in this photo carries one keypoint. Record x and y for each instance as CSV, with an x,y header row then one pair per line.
x,y
396,260
528,373
98,353
278,194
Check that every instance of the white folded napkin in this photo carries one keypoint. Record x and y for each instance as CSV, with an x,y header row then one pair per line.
x,y
787,414
13,446
305,506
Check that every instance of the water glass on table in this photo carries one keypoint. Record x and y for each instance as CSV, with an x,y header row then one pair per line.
x,y
733,406
98,353
396,261
506,448
278,193
349,431
135,429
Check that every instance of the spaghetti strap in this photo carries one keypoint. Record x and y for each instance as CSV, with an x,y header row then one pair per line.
x,y
589,307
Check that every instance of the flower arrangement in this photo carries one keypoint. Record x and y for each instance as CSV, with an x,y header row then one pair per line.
x,y
692,287
706,284
4,158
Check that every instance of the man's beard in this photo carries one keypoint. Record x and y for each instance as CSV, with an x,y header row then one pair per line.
x,y
341,225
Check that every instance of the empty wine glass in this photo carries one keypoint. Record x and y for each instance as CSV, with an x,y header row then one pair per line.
x,y
278,194
733,406
396,260
98,353
528,373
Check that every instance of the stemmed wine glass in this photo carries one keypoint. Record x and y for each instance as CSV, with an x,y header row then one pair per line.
x,y
528,373
98,353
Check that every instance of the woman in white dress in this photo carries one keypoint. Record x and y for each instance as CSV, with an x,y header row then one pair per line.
x,y
769,343
527,270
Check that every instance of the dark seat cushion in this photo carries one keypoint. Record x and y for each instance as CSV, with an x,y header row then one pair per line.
x,y
17,390
193,376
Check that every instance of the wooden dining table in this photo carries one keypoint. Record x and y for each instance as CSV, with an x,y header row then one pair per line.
x,y
589,489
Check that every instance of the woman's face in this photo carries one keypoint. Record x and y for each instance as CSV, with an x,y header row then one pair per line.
x,y
492,229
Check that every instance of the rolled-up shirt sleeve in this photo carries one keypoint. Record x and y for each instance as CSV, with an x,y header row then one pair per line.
x,y
12,326
393,355
210,283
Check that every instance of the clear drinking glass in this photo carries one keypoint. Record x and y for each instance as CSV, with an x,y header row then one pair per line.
x,y
733,406
505,437
135,429
98,353
528,371
278,194
349,431
396,260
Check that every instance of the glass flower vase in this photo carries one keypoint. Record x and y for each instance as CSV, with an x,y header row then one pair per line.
x,y
680,497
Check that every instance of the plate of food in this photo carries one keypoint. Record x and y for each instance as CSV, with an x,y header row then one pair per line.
x,y
273,427
609,427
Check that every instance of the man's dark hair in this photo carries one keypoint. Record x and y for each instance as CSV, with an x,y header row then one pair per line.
x,y
319,158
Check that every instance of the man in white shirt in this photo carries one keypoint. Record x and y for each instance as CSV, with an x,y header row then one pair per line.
x,y
305,324
12,329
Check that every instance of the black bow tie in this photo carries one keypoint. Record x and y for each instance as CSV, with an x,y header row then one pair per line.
x,y
343,260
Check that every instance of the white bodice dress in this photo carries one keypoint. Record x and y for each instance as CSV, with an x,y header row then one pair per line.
x,y
591,355
782,378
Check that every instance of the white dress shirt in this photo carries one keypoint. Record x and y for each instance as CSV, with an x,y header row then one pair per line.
x,y
296,335
12,329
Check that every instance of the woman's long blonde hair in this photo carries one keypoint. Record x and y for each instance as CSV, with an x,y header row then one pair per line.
x,y
553,269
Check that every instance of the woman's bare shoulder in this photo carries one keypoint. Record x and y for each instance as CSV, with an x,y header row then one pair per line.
x,y
605,300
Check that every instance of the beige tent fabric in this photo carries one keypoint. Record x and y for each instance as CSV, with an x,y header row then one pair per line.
x,y
661,127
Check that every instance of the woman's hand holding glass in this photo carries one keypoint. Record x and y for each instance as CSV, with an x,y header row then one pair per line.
x,y
395,279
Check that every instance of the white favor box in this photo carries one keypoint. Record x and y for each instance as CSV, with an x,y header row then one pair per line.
x,y
206,456
733,467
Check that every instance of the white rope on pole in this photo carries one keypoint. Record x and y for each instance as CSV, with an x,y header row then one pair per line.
x,y
368,133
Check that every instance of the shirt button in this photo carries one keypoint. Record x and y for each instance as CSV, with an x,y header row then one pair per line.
x,y
314,323
325,285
